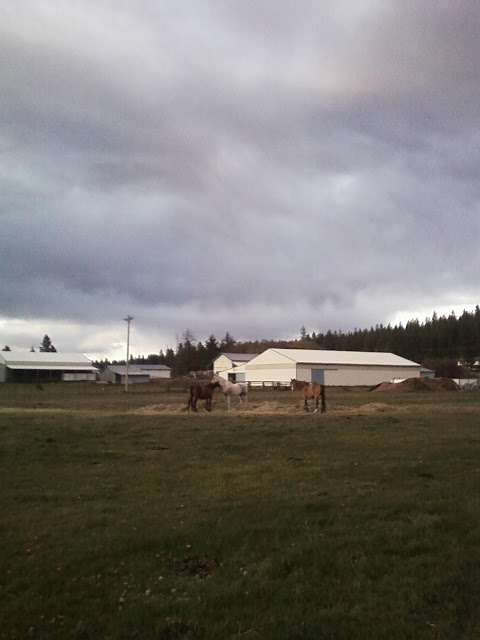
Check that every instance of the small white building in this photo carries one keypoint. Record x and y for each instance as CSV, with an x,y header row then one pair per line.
x,y
226,361
335,368
427,373
39,366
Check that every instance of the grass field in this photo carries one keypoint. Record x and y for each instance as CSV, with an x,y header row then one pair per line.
x,y
125,517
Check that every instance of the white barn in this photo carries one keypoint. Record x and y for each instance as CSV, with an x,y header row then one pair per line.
x,y
335,368
31,366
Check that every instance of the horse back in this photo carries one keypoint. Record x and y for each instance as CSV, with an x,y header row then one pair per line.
x,y
311,390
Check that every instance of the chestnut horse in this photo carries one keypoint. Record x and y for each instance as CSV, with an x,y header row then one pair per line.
x,y
310,391
197,392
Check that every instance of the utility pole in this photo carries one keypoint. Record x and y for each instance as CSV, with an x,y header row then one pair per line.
x,y
128,319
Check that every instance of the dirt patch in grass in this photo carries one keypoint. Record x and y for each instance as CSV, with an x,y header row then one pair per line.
x,y
419,384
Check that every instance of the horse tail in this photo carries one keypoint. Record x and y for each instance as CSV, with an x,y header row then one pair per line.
x,y
190,400
322,395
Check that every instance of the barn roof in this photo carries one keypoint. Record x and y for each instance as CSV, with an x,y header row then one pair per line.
x,y
321,356
137,369
44,360
239,357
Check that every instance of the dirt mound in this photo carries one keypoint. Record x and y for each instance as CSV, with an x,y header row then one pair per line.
x,y
419,384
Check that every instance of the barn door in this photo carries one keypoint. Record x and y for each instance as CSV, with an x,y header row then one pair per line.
x,y
318,375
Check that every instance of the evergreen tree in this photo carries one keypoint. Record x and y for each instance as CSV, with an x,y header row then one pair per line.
x,y
46,345
6,348
228,343
212,349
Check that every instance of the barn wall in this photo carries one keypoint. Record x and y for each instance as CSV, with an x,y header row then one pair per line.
x,y
162,373
135,379
107,375
341,375
221,364
281,372
76,376
304,371
357,375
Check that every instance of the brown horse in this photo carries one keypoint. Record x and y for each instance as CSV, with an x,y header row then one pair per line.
x,y
197,392
310,391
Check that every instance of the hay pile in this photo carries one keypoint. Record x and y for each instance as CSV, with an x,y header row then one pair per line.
x,y
262,408
419,384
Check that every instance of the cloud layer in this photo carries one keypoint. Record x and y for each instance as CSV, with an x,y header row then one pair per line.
x,y
250,167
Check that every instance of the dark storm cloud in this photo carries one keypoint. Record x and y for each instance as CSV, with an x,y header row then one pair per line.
x,y
250,166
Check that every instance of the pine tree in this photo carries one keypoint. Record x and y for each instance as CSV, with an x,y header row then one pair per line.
x,y
227,343
47,345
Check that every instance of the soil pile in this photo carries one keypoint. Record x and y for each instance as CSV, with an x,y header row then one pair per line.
x,y
419,384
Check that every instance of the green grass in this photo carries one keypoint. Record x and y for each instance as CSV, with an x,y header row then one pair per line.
x,y
353,524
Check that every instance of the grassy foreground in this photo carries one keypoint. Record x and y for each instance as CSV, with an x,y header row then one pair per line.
x,y
361,523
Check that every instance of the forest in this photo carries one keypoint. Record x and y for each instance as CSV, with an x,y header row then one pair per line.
x,y
439,343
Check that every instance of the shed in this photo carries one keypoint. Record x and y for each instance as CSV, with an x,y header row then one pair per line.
x,y
137,373
427,373
33,366
226,361
335,368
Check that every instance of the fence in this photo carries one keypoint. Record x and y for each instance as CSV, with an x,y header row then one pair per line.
x,y
262,384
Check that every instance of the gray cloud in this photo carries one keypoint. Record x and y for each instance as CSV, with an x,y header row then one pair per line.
x,y
237,166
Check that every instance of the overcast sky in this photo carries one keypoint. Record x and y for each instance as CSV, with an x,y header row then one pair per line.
x,y
240,166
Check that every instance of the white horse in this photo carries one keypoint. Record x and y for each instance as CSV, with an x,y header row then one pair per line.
x,y
230,389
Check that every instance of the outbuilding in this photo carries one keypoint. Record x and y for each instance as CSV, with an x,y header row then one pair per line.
x,y
427,373
335,368
137,373
230,361
32,366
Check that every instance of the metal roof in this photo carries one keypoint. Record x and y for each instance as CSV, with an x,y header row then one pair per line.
x,y
320,356
151,367
44,360
239,357
137,369
52,367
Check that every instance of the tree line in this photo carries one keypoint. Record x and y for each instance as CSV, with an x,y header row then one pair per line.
x,y
437,343
46,346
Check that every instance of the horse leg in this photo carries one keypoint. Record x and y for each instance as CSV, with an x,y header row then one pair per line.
x,y
195,404
316,403
324,404
228,401
306,403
